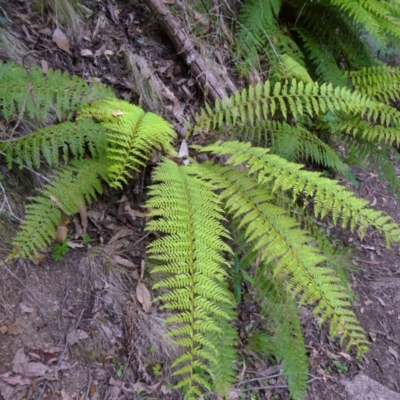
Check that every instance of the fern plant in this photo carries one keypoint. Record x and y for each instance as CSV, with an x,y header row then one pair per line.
x,y
262,196
327,36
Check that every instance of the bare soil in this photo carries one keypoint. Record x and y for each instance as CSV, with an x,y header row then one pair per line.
x,y
74,329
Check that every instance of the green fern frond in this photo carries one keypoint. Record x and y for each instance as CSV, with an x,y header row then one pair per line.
x,y
320,54
357,127
285,326
293,143
74,186
297,99
381,83
328,195
187,212
345,42
51,143
222,367
277,238
260,35
34,94
292,69
375,16
132,135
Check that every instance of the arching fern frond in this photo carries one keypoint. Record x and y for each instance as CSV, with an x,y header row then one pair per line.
x,y
75,185
297,99
357,127
292,142
35,94
132,135
278,241
381,83
327,194
188,214
56,142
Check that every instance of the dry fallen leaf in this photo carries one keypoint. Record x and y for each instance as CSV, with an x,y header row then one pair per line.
x,y
61,233
61,39
15,380
26,309
14,329
124,261
86,53
3,329
143,296
39,258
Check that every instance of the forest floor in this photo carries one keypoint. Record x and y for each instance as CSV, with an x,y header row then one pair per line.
x,y
76,328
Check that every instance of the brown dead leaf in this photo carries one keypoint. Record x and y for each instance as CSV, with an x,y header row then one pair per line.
x,y
3,329
61,39
14,329
143,296
39,258
124,261
32,369
78,227
75,335
61,233
86,53
73,245
15,380
122,233
25,308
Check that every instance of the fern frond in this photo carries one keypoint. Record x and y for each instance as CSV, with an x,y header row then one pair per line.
x,y
260,35
277,239
381,83
375,16
297,99
132,135
35,94
320,54
188,213
74,186
285,326
328,195
357,127
345,42
222,367
51,143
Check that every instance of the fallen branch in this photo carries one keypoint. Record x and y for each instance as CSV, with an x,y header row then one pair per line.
x,y
186,48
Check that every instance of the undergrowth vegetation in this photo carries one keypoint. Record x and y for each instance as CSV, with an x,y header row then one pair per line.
x,y
251,205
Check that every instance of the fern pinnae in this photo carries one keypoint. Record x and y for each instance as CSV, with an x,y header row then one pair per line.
x,y
378,82
35,94
277,238
132,135
329,196
280,310
56,143
295,97
74,186
191,250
